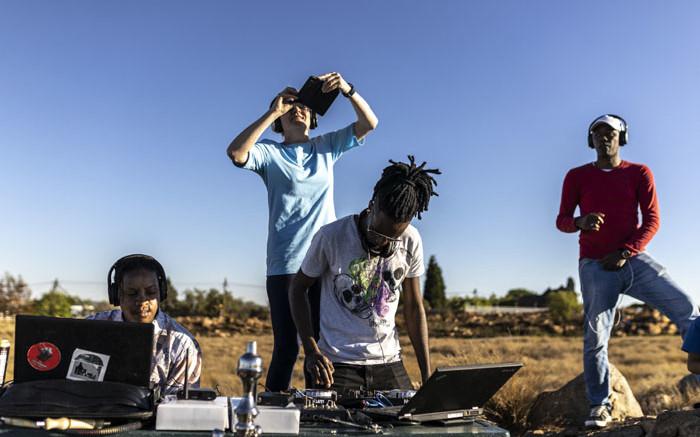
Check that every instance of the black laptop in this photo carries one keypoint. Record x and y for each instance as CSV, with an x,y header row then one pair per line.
x,y
82,350
451,393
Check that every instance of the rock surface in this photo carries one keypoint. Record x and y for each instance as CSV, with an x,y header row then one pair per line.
x,y
677,423
568,406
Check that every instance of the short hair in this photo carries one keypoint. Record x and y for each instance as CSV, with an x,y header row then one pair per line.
x,y
137,263
404,190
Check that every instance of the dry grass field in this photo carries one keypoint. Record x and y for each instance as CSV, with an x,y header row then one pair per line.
x,y
652,365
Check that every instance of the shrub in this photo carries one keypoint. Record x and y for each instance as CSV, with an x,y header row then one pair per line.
x,y
564,305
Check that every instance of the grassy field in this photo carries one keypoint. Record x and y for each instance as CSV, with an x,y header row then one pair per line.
x,y
652,365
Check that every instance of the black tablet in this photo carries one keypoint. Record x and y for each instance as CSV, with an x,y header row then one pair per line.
x,y
311,95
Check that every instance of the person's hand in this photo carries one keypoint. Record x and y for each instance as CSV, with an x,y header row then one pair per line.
x,y
334,81
320,368
284,101
590,222
613,261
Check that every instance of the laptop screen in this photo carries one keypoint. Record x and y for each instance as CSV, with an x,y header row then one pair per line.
x,y
460,388
79,349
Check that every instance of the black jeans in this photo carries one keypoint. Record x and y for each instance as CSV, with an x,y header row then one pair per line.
x,y
286,347
371,377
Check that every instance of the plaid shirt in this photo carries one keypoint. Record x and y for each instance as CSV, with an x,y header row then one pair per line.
x,y
172,343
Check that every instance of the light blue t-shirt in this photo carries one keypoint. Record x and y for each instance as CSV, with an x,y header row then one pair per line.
x,y
299,181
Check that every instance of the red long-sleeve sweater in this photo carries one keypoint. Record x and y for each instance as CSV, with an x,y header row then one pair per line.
x,y
617,194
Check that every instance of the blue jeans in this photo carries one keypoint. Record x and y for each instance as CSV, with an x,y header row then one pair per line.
x,y
642,278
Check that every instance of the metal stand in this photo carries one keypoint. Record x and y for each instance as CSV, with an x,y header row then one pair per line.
x,y
249,370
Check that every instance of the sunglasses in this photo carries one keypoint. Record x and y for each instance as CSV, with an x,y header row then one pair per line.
x,y
379,234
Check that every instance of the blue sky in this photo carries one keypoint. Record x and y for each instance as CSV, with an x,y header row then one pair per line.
x,y
115,118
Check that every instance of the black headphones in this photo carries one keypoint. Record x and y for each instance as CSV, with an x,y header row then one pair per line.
x,y
624,135
386,251
113,287
277,124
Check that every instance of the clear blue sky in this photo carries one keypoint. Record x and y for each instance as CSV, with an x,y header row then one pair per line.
x,y
115,118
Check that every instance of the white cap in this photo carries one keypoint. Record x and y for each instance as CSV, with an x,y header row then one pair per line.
x,y
613,122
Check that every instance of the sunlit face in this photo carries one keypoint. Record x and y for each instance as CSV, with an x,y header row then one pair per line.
x,y
381,230
606,140
139,296
299,116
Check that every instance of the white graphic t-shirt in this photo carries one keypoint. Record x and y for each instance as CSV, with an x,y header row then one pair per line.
x,y
360,294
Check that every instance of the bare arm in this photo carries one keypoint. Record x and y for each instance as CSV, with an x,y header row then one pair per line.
x,y
320,367
366,119
241,145
416,324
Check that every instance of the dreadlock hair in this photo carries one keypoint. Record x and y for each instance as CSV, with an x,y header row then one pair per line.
x,y
404,190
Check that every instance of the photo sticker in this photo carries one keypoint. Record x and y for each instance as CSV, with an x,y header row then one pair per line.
x,y
44,356
87,366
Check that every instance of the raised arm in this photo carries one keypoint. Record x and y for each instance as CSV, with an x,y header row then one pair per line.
x,y
366,120
416,324
318,366
241,145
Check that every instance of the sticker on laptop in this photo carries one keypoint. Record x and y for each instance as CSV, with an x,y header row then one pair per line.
x,y
87,366
43,356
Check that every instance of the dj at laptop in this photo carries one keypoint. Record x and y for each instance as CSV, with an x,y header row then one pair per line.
x,y
362,262
137,284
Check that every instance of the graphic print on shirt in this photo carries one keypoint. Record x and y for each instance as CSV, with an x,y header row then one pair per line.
x,y
370,285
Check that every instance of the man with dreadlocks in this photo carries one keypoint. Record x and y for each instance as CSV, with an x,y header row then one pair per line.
x,y
363,261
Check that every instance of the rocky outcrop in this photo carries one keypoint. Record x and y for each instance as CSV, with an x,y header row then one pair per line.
x,y
568,406
642,320
225,326
677,424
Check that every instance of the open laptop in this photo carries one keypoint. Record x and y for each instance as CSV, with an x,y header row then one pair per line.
x,y
82,350
451,393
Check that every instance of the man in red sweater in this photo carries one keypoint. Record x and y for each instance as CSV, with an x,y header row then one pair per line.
x,y
609,192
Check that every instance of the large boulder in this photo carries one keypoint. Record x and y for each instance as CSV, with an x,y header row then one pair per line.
x,y
569,406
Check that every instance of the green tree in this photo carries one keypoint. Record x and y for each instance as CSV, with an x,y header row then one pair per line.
x,y
54,303
564,305
171,305
14,294
434,287
570,284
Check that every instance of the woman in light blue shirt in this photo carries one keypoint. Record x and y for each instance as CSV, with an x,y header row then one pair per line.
x,y
298,174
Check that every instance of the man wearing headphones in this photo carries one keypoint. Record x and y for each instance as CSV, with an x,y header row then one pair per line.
x,y
363,262
612,260
137,283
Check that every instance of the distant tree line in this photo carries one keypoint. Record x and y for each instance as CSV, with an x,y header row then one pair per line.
x,y
562,302
15,298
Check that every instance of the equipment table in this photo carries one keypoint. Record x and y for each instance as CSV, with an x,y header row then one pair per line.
x,y
479,428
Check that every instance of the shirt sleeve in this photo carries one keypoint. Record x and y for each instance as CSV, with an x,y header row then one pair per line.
x,y
258,158
570,197
176,375
340,141
316,261
415,261
649,207
692,338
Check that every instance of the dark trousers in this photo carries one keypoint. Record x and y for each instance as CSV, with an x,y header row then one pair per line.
x,y
286,347
371,377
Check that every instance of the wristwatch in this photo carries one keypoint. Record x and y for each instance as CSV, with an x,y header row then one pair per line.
x,y
625,253
351,92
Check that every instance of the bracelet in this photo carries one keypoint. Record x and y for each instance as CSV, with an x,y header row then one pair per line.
x,y
576,218
351,92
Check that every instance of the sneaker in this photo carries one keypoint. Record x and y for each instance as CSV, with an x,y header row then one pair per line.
x,y
599,417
